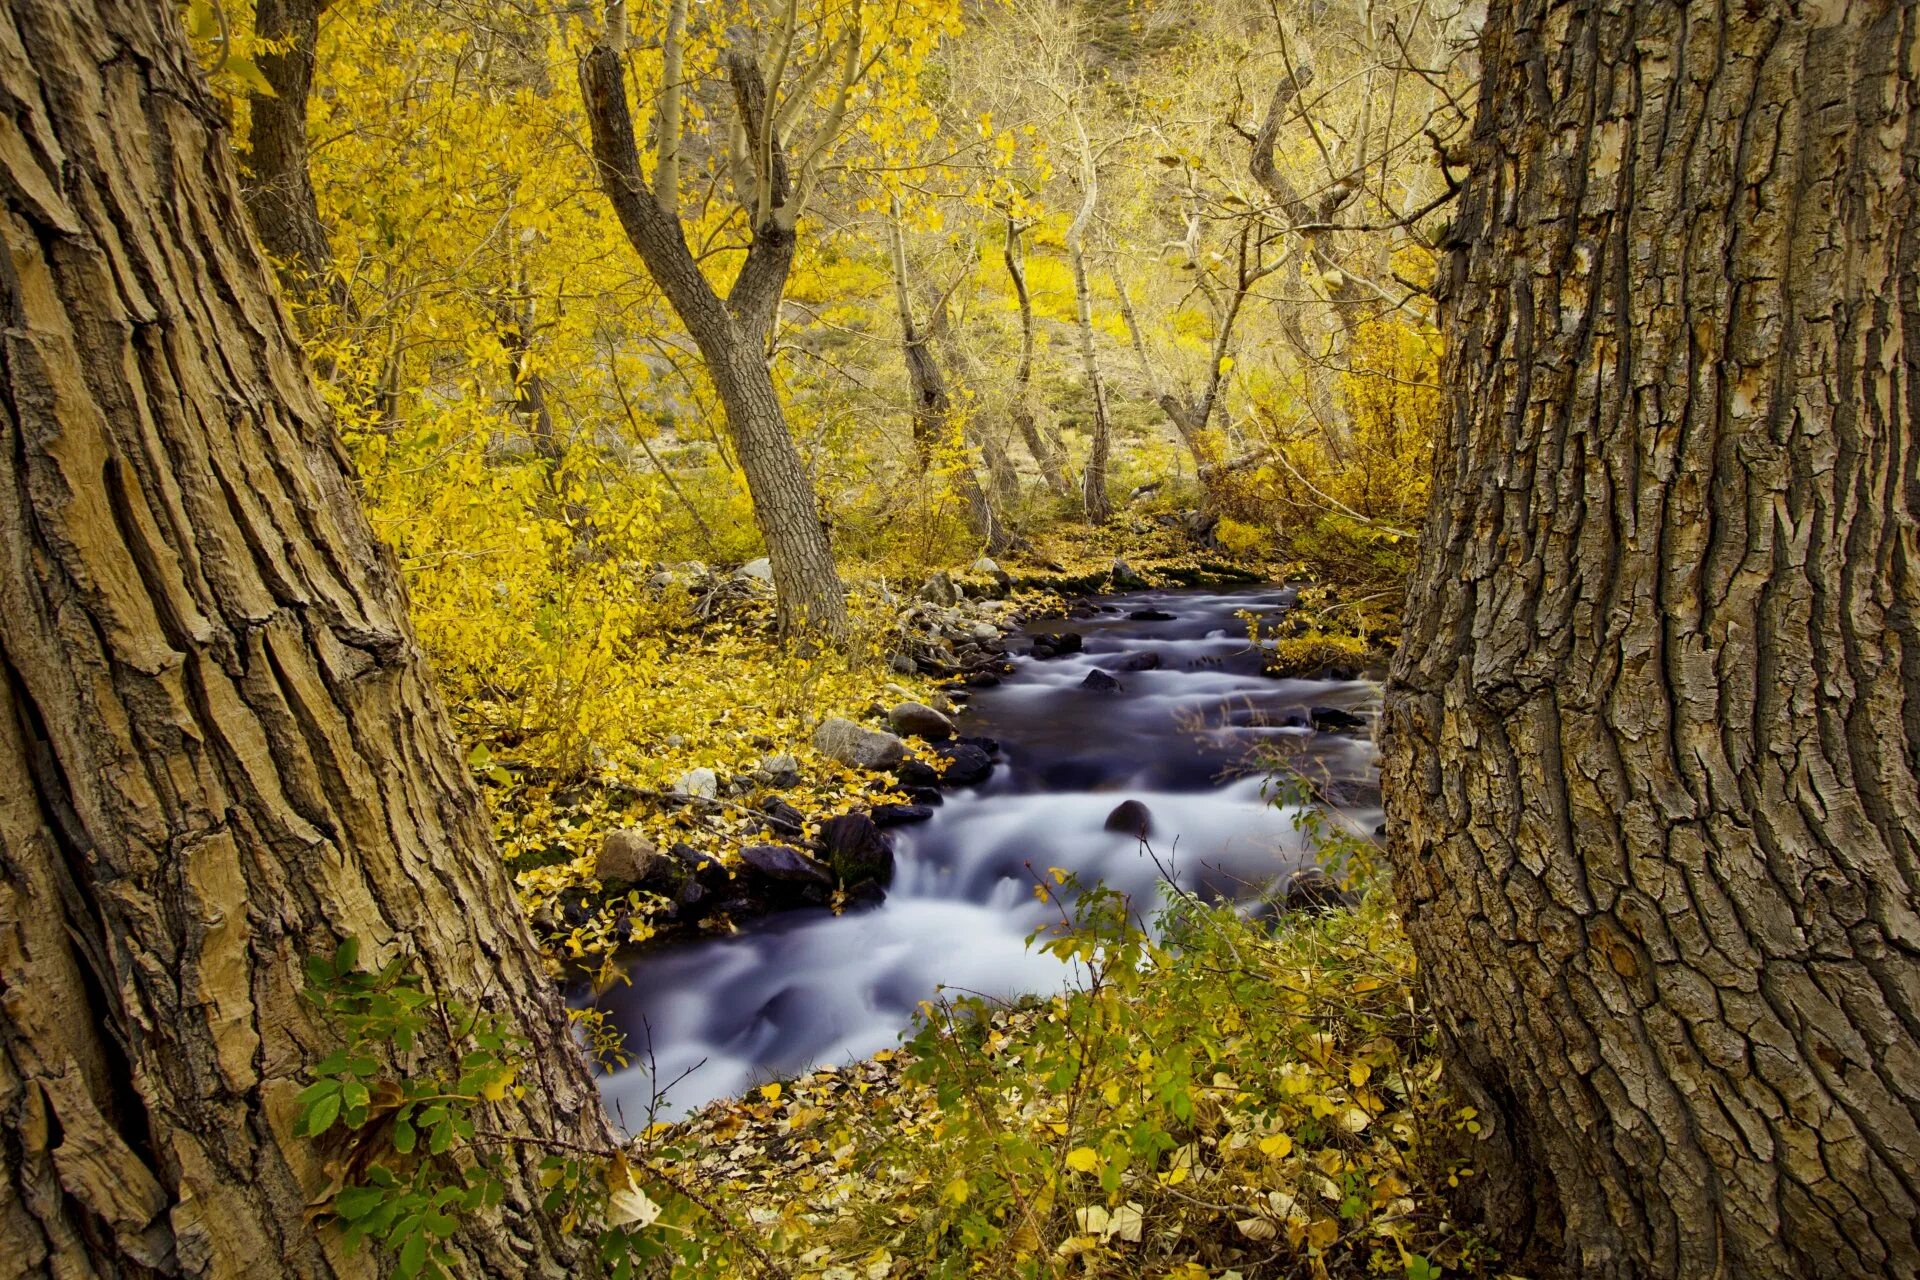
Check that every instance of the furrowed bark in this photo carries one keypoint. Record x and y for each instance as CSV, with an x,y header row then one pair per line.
x,y
220,751
1653,738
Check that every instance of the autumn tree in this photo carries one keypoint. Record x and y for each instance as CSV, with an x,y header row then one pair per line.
x,y
220,751
1652,738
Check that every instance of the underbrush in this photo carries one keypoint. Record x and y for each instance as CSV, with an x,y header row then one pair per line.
x,y
1216,1097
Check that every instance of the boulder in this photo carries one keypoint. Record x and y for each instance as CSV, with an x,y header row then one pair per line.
x,y
1334,720
903,664
698,784
939,589
629,857
857,850
1132,817
850,744
898,815
986,567
917,719
1151,615
781,770
784,866
1054,646
984,632
1100,682
966,764
1312,889
1125,579
915,773
1138,662
783,817
760,570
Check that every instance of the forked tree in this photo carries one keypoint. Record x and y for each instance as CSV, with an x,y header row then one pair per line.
x,y
776,142
220,752
1653,738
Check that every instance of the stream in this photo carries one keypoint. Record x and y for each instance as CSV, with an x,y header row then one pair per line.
x,y
710,1018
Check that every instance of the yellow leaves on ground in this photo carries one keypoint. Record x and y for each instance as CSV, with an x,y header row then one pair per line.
x,y
1083,1159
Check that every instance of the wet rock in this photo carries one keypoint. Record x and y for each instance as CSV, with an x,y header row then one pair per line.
x,y
1131,817
857,850
1100,682
780,865
783,817
989,745
1055,645
966,764
1334,720
916,773
982,679
926,797
1151,615
1139,662
850,744
898,815
1312,889
627,856
698,784
917,719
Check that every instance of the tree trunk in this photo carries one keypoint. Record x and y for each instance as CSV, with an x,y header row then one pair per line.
x,y
279,188
731,335
219,748
1044,450
1093,481
1652,738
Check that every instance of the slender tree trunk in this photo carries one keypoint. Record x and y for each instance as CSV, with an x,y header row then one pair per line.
x,y
219,748
1044,450
731,334
1093,480
279,187
1653,739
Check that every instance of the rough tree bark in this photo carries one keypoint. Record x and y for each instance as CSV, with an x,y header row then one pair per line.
x,y
220,751
1093,478
731,333
1653,738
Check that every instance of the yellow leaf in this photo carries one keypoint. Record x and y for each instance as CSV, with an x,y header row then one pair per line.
x,y
1359,1073
957,1191
1083,1159
771,1092
1276,1145
627,1204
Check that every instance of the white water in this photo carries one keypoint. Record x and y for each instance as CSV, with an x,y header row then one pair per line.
x,y
709,1018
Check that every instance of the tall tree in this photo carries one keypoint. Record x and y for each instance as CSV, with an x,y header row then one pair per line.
x,y
279,184
733,332
1653,739
220,751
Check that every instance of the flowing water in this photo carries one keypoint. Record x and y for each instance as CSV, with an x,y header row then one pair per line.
x,y
1192,740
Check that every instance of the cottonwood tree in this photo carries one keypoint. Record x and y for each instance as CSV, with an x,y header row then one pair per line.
x,y
1653,739
790,102
220,751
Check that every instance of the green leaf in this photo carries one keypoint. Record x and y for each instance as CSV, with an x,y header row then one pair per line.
x,y
319,1117
356,1203
346,957
413,1254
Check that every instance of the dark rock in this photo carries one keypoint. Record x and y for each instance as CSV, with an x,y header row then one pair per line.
x,y
1131,817
966,765
1055,645
787,870
914,772
1151,615
938,589
1138,662
854,846
982,679
781,770
1333,719
1100,682
989,745
1125,579
783,817
868,893
928,796
1380,832
917,719
1311,889
897,815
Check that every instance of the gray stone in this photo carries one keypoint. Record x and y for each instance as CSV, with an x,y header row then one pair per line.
x,y
698,784
850,744
629,857
778,863
781,770
984,631
985,565
1125,579
939,589
917,719
903,664
760,570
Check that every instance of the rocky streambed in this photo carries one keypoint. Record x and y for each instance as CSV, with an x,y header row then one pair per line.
x,y
1132,741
